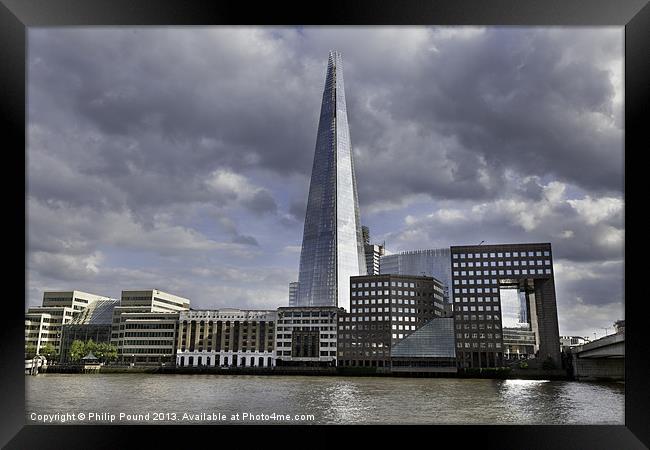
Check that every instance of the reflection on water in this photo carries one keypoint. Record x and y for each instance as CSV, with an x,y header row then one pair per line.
x,y
332,400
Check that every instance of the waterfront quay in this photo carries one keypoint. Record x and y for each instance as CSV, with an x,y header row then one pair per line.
x,y
501,373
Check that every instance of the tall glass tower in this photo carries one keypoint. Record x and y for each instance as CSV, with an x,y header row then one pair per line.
x,y
332,243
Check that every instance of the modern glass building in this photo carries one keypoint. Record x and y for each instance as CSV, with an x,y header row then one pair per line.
x,y
332,245
435,262
431,348
94,322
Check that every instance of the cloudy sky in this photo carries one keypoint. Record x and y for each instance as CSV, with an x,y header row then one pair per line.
x,y
179,158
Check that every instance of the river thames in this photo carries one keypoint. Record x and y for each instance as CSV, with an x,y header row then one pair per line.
x,y
241,399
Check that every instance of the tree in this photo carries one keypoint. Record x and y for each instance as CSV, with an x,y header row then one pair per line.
x,y
105,352
91,347
77,350
48,351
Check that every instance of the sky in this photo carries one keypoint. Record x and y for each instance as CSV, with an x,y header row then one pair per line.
x,y
179,158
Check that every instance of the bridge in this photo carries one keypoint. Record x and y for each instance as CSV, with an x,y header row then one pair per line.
x,y
603,359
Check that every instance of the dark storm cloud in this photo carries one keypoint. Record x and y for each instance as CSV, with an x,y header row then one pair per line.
x,y
445,122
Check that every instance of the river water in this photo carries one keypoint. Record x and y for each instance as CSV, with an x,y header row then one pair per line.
x,y
212,399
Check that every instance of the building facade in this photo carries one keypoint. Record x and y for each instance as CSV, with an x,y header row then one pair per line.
x,y
434,262
93,323
144,326
293,293
332,246
504,304
226,338
384,310
43,324
306,336
373,252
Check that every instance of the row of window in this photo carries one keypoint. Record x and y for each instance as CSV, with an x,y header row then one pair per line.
x,y
385,292
287,321
477,291
384,318
506,272
478,345
516,263
500,254
479,317
473,299
322,353
481,326
310,328
477,335
383,284
474,308
322,336
320,344
386,309
384,301
362,344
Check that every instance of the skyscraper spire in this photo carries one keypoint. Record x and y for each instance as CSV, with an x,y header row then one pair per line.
x,y
332,245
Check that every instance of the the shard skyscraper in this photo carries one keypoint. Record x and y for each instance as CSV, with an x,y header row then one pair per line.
x,y
332,243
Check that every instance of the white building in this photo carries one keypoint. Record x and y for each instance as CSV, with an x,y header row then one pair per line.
x,y
43,323
144,326
226,337
306,336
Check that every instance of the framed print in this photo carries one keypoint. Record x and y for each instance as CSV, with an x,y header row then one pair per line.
x,y
292,220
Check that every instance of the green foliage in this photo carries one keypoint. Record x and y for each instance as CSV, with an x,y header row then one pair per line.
x,y
77,349
523,365
104,351
30,351
48,351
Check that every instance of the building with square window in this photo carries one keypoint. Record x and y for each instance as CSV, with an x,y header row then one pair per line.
x,y
144,326
504,304
226,337
384,309
306,336
43,324
435,262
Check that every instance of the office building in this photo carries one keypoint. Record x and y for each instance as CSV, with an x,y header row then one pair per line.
x,y
434,262
93,323
306,336
43,323
226,338
332,246
384,310
293,293
144,326
504,304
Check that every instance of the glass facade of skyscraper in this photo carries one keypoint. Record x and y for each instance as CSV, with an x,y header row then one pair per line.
x,y
435,262
332,246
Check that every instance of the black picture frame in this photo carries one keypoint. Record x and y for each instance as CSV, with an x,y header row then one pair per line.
x,y
17,15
